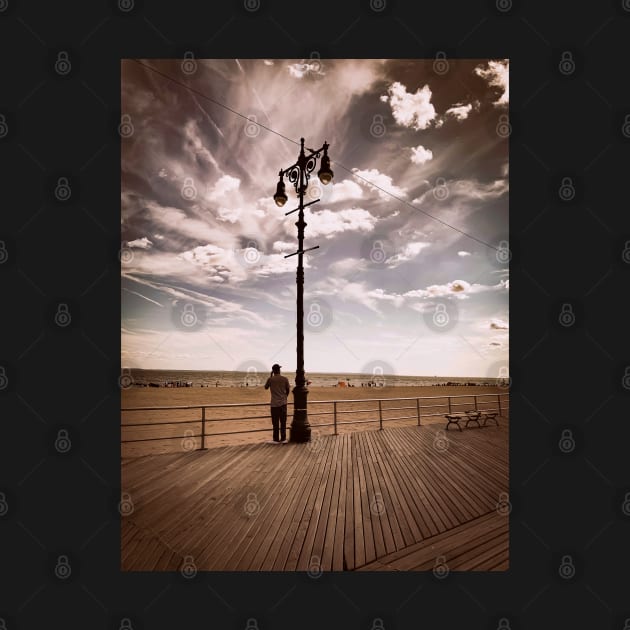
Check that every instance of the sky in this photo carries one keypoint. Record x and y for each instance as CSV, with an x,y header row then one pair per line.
x,y
411,276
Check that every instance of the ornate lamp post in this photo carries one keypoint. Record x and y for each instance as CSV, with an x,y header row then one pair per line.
x,y
298,174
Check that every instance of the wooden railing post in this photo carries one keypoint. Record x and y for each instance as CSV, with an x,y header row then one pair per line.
x,y
476,408
499,401
203,429
418,408
449,405
335,415
380,415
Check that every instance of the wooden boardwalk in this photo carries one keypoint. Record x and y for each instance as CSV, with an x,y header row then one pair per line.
x,y
395,499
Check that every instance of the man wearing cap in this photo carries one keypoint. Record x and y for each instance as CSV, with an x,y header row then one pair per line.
x,y
280,389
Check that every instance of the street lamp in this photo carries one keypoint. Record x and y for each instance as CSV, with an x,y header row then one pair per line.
x,y
298,174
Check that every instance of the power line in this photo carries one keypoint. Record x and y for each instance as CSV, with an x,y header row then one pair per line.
x,y
345,168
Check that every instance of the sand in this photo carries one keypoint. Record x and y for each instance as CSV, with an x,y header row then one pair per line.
x,y
257,426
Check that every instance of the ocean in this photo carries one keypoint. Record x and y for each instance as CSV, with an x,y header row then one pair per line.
x,y
212,378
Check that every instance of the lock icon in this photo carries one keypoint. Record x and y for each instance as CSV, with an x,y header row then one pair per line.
x,y
567,316
566,443
503,624
378,505
252,505
251,624
504,5
440,191
189,65
252,379
63,191
315,63
377,128
4,508
189,570
62,568
378,5
125,254
566,568
189,317
315,190
377,254
625,255
315,317
251,127
625,381
62,442
315,567
62,64
625,506
251,5
503,255
504,507
504,128
378,376
441,442
251,253
4,379
125,505
125,5
4,254
377,624
440,568
3,623
62,316
440,316
440,63
626,625
189,192
567,64
125,380
567,189
188,441
625,128
4,128
125,624
125,129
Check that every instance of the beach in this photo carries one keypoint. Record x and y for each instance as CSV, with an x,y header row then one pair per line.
x,y
365,412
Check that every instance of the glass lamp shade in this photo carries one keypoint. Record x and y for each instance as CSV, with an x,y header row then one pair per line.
x,y
280,197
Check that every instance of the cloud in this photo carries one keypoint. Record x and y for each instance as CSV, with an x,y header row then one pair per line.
x,y
327,223
409,252
347,189
499,324
370,176
144,297
300,70
410,110
463,254
420,155
224,185
282,246
461,111
140,243
459,289
497,75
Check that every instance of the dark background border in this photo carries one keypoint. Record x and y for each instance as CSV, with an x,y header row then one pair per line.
x,y
564,252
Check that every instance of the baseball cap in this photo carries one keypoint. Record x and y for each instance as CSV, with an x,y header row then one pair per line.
x,y
275,366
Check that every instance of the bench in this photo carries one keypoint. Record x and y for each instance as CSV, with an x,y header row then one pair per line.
x,y
471,416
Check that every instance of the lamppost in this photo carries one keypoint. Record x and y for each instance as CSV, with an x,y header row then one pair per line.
x,y
298,174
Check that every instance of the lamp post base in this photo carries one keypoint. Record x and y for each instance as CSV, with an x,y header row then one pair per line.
x,y
300,430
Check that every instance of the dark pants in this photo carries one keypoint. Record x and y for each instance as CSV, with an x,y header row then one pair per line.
x,y
279,421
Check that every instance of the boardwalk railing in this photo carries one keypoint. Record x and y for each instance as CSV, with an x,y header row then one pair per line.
x,y
446,404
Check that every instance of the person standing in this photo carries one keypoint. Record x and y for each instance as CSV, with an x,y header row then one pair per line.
x,y
280,388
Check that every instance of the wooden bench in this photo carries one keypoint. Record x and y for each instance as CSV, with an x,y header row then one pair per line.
x,y
471,416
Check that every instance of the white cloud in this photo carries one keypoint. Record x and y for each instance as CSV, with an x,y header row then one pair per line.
x,y
347,189
409,252
458,288
370,176
410,110
459,111
140,243
327,223
224,185
463,253
420,155
158,237
497,75
282,246
299,70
